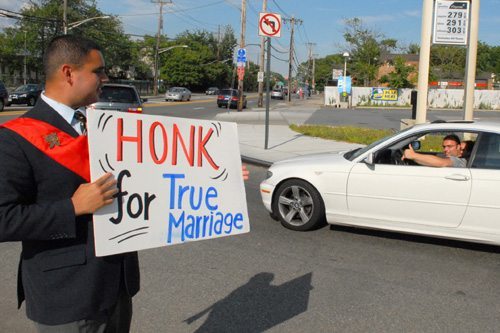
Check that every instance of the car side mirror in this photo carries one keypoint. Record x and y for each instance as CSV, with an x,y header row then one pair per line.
x,y
368,159
415,145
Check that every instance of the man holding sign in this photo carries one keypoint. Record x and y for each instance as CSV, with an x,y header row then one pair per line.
x,y
46,202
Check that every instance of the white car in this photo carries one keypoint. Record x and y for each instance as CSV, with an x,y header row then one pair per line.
x,y
372,187
178,94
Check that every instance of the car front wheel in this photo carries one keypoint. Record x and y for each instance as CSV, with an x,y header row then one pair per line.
x,y
31,101
298,206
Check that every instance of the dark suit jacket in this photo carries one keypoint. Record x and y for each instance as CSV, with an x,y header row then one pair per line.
x,y
59,275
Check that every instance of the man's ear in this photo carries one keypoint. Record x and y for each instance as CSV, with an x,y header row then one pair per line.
x,y
67,72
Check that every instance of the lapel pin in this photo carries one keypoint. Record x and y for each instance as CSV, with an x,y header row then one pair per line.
x,y
53,140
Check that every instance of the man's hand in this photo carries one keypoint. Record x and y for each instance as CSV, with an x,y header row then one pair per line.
x,y
408,153
89,197
245,172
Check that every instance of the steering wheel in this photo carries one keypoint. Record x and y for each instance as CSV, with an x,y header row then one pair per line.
x,y
397,156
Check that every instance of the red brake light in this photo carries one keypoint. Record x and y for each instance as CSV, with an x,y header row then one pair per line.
x,y
135,110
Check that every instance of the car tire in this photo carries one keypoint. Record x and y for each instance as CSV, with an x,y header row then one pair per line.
x,y
1,105
298,206
31,101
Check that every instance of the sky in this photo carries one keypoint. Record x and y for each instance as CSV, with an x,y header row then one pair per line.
x,y
321,27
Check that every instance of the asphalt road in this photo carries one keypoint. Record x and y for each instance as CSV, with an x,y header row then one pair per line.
x,y
276,280
329,280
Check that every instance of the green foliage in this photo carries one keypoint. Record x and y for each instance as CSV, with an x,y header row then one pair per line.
x,y
399,77
365,49
350,134
447,61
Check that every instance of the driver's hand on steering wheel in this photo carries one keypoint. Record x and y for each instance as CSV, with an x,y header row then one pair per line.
x,y
408,153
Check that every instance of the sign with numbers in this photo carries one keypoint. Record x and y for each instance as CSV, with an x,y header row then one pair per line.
x,y
451,22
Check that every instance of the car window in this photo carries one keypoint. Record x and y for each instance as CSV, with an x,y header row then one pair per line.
x,y
487,154
21,89
430,143
118,95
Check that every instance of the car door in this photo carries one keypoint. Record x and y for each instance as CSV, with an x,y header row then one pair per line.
x,y
483,211
409,194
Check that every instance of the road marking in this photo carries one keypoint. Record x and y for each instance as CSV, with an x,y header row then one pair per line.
x,y
13,113
199,108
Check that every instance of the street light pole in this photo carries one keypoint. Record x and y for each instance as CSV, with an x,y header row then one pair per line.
x,y
157,53
65,21
78,23
346,55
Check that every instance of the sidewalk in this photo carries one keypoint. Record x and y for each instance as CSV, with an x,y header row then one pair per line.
x,y
283,143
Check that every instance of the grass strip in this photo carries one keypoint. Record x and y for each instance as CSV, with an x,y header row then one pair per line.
x,y
350,134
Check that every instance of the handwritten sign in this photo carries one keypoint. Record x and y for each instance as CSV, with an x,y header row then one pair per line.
x,y
179,180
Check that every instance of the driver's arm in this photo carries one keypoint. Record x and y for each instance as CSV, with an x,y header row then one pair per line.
x,y
427,160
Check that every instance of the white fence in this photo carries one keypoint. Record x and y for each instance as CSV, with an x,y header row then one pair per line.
x,y
437,98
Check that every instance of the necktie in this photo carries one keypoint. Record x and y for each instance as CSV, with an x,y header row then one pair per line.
x,y
82,120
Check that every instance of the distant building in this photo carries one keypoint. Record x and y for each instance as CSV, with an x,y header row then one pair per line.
x,y
387,66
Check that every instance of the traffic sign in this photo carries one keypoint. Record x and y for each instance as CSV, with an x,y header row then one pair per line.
x,y
241,55
241,73
260,77
451,20
269,25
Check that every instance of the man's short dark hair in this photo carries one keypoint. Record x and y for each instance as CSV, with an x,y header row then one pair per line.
x,y
452,137
67,49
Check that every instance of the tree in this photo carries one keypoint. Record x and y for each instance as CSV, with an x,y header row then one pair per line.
x,y
42,20
447,61
399,78
365,48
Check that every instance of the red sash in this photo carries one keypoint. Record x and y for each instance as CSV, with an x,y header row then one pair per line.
x,y
72,153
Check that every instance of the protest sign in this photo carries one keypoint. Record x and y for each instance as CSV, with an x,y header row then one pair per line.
x,y
179,180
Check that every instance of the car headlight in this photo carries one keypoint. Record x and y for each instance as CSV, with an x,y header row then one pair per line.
x,y
269,174
22,95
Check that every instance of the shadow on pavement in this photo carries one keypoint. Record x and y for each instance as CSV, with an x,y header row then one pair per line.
x,y
257,305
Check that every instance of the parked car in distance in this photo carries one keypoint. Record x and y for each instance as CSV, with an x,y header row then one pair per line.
x,y
231,96
4,96
25,94
277,94
119,97
212,91
178,94
373,187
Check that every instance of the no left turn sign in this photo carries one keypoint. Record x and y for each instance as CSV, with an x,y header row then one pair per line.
x,y
269,25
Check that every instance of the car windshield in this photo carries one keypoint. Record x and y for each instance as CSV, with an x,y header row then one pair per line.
x,y
228,92
118,95
22,89
175,90
352,154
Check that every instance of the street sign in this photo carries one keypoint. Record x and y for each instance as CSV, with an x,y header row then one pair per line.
x,y
241,56
344,85
260,77
269,25
451,21
241,72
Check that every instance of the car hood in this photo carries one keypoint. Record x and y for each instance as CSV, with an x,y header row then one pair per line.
x,y
312,159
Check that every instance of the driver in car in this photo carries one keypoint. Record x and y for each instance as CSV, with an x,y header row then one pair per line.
x,y
451,156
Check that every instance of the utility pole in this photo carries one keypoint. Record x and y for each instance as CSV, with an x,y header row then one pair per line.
x,y
160,28
242,45
310,64
313,82
25,54
292,21
65,19
260,102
